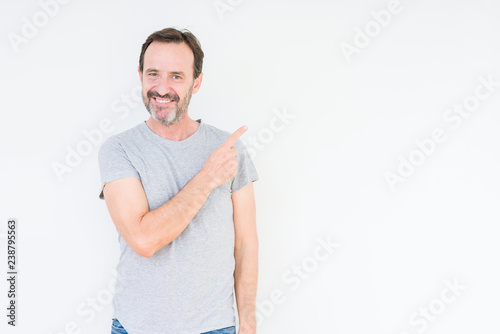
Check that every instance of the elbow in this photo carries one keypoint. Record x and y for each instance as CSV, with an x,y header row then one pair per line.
x,y
142,244
143,248
146,244
146,252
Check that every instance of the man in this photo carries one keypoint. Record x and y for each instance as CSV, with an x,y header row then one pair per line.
x,y
181,197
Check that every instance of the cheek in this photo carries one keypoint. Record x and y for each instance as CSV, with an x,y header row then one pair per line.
x,y
145,97
184,91
146,88
147,84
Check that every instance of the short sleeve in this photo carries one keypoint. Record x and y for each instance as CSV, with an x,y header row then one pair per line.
x,y
246,170
114,163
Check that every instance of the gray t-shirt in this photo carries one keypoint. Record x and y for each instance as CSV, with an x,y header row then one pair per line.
x,y
186,287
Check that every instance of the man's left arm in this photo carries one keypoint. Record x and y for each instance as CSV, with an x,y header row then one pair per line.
x,y
246,257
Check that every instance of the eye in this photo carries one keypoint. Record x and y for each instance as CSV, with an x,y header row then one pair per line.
x,y
176,77
153,74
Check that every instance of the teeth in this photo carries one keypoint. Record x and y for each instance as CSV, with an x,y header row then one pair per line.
x,y
163,101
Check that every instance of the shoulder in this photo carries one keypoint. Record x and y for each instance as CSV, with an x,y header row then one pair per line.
x,y
118,140
220,135
214,131
130,133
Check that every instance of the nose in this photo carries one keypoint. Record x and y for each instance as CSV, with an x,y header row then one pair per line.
x,y
163,86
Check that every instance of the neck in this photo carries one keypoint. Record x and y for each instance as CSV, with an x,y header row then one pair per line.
x,y
176,132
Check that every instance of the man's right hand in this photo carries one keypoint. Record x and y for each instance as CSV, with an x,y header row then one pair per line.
x,y
222,165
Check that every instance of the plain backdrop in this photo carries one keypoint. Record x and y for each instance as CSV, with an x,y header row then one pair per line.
x,y
353,119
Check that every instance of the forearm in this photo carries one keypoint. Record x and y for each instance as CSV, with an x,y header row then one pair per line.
x,y
162,225
245,277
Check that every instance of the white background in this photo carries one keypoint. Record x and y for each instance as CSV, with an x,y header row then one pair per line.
x,y
323,175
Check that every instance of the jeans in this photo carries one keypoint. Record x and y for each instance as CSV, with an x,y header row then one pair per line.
x,y
117,328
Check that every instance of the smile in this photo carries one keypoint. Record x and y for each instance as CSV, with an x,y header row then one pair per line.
x,y
162,101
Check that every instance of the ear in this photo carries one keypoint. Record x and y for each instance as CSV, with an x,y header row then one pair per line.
x,y
140,73
197,83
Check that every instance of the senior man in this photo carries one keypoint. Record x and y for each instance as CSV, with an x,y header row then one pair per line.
x,y
180,194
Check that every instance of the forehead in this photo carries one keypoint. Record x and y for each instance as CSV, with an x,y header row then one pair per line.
x,y
169,57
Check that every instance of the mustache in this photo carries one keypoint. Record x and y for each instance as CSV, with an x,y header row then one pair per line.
x,y
169,96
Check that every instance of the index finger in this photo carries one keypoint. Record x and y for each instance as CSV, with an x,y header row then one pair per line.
x,y
234,137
